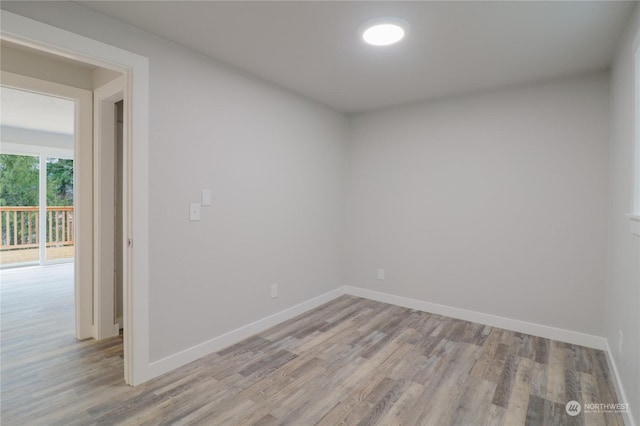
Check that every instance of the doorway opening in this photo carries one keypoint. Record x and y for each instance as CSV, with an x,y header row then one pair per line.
x,y
65,44
51,122
49,213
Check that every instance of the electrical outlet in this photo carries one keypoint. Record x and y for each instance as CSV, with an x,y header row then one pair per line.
x,y
274,291
620,338
381,274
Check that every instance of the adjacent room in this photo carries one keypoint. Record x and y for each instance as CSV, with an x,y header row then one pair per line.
x,y
322,212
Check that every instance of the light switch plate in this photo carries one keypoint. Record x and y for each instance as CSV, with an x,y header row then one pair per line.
x,y
206,197
194,212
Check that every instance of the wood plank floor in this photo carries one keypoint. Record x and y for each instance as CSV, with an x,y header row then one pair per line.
x,y
351,361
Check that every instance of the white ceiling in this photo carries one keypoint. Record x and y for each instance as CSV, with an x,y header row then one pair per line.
x,y
452,47
34,111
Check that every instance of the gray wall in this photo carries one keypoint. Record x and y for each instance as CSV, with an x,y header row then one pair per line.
x,y
494,203
275,163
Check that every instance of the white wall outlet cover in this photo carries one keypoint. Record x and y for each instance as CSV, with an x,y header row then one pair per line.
x,y
274,291
206,197
381,274
194,212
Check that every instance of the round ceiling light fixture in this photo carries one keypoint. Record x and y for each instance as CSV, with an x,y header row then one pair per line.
x,y
383,31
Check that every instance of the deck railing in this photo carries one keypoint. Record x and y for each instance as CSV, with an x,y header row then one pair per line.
x,y
21,227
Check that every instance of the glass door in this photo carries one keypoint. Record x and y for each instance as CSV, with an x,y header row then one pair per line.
x,y
37,177
19,209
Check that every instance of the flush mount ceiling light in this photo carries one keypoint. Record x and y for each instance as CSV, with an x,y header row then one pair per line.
x,y
383,31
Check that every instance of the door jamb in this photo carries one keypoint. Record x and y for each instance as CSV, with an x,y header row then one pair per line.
x,y
104,99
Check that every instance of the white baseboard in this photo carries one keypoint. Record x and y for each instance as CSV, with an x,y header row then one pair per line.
x,y
622,396
539,330
215,344
198,351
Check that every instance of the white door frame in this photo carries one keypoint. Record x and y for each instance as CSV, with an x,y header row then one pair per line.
x,y
104,169
24,31
82,189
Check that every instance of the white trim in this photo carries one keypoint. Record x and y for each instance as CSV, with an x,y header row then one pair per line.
x,y
41,36
533,329
617,381
220,342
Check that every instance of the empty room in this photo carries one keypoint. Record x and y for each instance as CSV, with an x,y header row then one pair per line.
x,y
320,212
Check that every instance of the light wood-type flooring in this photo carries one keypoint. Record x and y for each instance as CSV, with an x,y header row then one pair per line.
x,y
351,361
